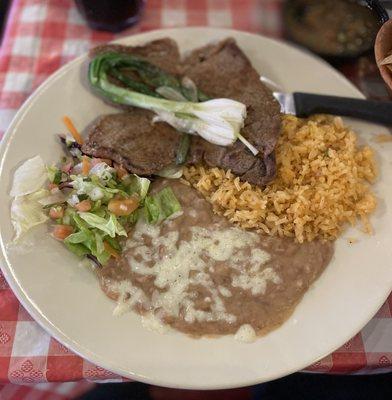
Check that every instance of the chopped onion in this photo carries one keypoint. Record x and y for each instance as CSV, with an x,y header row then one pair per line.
x,y
73,200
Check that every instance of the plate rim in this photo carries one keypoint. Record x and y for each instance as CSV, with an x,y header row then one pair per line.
x,y
28,303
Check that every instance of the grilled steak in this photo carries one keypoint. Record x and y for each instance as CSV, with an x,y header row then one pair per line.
x,y
163,53
132,140
220,70
223,70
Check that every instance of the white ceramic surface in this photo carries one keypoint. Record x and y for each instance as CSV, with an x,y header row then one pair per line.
x,y
66,300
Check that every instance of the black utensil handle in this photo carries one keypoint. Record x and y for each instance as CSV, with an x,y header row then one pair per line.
x,y
370,110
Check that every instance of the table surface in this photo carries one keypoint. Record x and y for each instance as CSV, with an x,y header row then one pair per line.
x,y
42,35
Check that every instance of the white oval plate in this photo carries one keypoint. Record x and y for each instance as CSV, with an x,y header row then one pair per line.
x,y
66,300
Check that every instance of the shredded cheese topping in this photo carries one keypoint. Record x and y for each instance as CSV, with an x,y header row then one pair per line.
x,y
182,269
245,334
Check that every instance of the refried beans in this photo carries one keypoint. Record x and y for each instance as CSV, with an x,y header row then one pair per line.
x,y
203,276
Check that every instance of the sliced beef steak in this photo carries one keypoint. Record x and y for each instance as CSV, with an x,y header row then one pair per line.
x,y
223,70
220,70
163,53
132,140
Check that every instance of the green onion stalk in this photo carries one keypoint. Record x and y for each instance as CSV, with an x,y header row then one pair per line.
x,y
218,121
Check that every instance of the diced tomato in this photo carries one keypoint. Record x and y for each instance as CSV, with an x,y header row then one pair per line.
x,y
122,207
84,206
61,232
56,212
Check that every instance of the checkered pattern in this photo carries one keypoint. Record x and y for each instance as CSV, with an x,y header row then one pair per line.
x,y
45,391
42,35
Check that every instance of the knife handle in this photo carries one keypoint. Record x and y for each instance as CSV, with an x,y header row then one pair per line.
x,y
370,110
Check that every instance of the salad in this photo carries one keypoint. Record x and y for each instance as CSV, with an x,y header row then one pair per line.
x,y
91,202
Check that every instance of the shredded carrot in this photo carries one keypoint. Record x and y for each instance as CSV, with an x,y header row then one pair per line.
x,y
72,130
110,250
85,166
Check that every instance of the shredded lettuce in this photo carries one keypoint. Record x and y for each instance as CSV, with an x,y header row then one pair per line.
x,y
55,198
94,190
81,250
78,237
99,243
161,205
103,171
29,177
98,228
26,207
27,212
152,209
114,243
54,174
168,202
132,218
110,226
77,248
138,185
87,241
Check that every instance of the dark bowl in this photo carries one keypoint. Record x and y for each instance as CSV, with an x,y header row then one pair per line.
x,y
293,9
382,49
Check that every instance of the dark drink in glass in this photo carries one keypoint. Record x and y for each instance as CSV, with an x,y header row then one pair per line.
x,y
110,15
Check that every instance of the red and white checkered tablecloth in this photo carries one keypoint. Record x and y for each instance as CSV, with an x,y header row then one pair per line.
x,y
42,35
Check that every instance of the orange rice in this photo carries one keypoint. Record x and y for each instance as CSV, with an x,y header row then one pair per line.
x,y
322,184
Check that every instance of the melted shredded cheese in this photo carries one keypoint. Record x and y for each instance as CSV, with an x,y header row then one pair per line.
x,y
153,323
245,334
178,267
129,295
224,291
255,281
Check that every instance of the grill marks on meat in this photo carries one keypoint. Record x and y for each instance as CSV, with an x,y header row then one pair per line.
x,y
223,70
219,70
